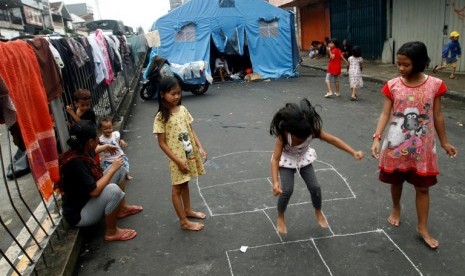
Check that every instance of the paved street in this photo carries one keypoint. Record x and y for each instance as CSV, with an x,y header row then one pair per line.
x,y
232,121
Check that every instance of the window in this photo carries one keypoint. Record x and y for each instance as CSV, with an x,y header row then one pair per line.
x,y
269,29
15,16
4,15
227,3
186,34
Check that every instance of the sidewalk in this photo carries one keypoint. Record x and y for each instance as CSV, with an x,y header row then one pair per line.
x,y
380,72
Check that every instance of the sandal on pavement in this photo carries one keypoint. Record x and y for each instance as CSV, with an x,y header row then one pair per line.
x,y
355,98
453,78
328,95
337,94
130,210
124,235
435,69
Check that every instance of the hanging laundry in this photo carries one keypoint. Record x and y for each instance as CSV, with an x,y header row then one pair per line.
x,y
20,71
51,77
80,56
101,71
103,47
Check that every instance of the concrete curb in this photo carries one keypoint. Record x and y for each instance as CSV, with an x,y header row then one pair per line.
x,y
454,95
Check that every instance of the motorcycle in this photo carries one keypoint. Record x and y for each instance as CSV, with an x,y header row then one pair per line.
x,y
160,67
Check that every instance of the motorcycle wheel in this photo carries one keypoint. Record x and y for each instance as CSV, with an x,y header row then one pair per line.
x,y
149,90
201,88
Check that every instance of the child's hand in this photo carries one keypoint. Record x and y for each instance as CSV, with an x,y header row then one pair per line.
x,y
375,149
451,151
203,154
277,189
183,166
111,148
123,143
69,109
358,155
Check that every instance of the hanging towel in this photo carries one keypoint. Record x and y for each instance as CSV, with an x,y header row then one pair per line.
x,y
20,71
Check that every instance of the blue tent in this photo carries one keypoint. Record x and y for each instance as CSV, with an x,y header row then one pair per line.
x,y
187,31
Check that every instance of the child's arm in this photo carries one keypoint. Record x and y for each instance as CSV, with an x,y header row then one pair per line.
x,y
339,143
329,53
106,147
382,122
278,149
72,113
345,61
441,128
123,143
197,142
183,167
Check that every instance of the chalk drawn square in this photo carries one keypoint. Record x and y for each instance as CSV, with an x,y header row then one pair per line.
x,y
236,166
348,255
298,258
239,197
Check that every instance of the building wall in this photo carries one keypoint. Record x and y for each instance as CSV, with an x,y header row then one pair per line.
x,y
426,23
315,24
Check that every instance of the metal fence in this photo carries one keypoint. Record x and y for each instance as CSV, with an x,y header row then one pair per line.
x,y
31,229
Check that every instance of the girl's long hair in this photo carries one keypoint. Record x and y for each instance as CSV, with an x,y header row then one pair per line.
x,y
300,120
166,85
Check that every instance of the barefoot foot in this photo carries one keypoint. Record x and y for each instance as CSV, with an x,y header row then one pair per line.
x,y
394,217
281,227
194,214
192,226
429,241
321,219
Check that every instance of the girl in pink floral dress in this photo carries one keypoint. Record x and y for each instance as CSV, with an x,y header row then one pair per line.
x,y
413,107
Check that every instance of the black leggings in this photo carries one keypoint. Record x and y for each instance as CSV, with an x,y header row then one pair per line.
x,y
287,185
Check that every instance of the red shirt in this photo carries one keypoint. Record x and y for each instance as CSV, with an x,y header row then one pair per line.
x,y
334,65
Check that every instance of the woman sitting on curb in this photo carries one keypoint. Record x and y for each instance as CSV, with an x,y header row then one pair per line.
x,y
88,192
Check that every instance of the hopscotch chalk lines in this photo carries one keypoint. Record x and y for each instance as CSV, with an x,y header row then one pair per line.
x,y
326,167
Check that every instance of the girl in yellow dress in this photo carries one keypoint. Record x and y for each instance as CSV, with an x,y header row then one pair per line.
x,y
177,139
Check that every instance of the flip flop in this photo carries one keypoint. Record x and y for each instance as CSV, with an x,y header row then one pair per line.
x,y
435,69
125,235
354,98
337,94
130,210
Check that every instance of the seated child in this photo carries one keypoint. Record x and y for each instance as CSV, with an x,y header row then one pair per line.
x,y
221,66
83,111
112,138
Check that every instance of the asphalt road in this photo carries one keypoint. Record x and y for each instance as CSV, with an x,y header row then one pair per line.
x,y
232,122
